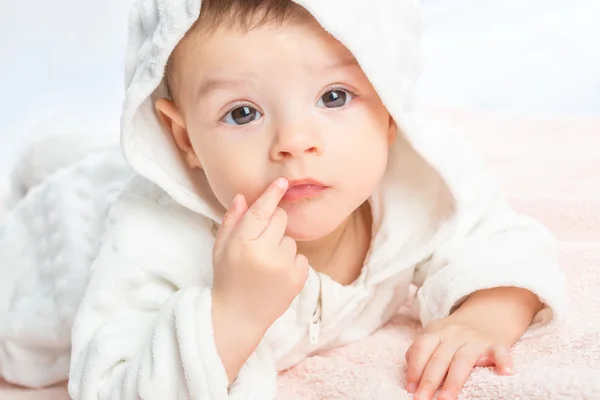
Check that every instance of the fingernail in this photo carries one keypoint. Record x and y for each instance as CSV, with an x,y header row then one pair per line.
x,y
282,183
411,387
444,395
509,370
421,394
235,201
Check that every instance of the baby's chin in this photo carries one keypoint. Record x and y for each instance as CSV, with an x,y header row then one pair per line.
x,y
311,229
304,236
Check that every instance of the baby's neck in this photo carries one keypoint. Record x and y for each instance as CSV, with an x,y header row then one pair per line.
x,y
342,253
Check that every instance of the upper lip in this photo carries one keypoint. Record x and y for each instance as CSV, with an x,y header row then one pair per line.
x,y
304,181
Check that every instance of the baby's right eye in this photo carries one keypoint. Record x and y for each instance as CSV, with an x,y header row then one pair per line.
x,y
241,116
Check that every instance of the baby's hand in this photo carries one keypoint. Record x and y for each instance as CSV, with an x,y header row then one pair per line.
x,y
257,273
451,348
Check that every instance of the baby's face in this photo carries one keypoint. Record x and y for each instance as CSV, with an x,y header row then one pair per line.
x,y
284,101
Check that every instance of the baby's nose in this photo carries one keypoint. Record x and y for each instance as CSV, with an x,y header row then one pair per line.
x,y
296,144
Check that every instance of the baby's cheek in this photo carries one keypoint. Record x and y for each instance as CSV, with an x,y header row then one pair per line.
x,y
228,178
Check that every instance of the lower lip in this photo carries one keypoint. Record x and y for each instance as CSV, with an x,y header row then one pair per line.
x,y
302,192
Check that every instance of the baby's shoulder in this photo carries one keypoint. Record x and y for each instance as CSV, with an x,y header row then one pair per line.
x,y
141,198
149,230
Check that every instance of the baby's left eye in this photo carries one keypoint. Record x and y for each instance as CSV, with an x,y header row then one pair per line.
x,y
335,98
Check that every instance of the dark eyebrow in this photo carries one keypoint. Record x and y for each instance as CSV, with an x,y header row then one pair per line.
x,y
343,63
212,84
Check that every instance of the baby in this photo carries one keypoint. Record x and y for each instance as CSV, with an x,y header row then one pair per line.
x,y
284,201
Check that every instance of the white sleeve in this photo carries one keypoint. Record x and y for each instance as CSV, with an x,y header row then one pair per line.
x,y
47,242
490,245
33,318
144,329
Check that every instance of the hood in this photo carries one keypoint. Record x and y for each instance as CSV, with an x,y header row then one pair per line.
x,y
387,49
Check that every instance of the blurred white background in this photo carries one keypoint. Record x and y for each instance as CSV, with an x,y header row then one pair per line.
x,y
63,58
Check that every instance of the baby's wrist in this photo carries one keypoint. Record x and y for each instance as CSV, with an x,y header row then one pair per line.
x,y
238,317
505,313
236,335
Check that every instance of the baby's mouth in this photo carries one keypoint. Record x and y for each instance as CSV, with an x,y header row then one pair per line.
x,y
304,189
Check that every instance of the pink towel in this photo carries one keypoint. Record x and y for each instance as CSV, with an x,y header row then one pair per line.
x,y
549,169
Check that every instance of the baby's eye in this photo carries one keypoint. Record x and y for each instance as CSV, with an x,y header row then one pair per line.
x,y
242,116
335,98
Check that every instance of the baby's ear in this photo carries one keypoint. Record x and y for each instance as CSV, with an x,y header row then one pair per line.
x,y
392,131
174,124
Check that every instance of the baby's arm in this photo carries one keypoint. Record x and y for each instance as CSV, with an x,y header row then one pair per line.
x,y
145,326
479,295
494,281
479,333
257,273
500,248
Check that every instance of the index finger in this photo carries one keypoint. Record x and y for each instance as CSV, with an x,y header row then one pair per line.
x,y
502,359
417,357
257,217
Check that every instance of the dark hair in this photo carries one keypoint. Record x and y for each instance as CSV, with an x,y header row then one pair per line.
x,y
242,14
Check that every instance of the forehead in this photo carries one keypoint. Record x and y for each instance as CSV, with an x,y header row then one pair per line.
x,y
302,41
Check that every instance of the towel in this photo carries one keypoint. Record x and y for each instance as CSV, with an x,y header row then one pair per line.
x,y
558,186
